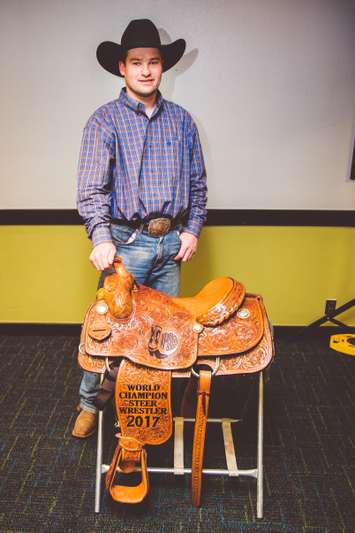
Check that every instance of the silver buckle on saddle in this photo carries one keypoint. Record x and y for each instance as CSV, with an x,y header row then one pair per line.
x,y
214,371
158,227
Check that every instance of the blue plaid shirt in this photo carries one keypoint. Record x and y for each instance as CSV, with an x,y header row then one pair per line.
x,y
133,168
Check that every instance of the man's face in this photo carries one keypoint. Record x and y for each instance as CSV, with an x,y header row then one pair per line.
x,y
142,71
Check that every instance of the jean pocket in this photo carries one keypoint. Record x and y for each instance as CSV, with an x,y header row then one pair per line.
x,y
175,243
123,234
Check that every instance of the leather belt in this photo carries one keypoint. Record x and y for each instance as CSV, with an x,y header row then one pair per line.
x,y
155,227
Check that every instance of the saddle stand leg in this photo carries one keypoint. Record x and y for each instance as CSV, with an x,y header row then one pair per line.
x,y
260,480
99,457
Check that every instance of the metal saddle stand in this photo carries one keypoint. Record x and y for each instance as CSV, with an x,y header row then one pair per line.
x,y
179,468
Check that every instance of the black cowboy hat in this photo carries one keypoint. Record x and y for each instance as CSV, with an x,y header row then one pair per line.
x,y
141,33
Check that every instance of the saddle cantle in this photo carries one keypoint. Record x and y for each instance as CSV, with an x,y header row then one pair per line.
x,y
141,337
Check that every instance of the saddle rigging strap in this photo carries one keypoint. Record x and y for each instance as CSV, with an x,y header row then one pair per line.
x,y
203,398
107,388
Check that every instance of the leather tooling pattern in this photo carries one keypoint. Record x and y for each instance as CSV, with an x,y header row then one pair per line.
x,y
142,401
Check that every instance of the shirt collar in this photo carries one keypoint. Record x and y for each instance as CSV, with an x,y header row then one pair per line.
x,y
139,107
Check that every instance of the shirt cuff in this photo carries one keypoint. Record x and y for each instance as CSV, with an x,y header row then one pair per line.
x,y
194,227
101,233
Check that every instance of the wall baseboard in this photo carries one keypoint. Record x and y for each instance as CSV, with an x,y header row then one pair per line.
x,y
40,330
215,217
74,330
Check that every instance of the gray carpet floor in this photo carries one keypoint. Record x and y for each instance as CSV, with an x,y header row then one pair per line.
x,y
47,477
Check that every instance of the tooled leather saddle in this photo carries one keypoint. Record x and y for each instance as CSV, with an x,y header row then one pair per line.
x,y
141,337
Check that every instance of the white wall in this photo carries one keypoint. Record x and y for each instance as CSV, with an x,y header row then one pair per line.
x,y
270,83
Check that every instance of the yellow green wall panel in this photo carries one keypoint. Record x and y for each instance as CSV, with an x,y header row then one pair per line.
x,y
47,278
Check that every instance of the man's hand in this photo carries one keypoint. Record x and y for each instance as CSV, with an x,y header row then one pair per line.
x,y
188,247
103,255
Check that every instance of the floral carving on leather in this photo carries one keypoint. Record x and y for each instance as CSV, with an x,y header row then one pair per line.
x,y
131,336
99,329
235,335
143,403
252,361
91,364
159,333
225,308
117,290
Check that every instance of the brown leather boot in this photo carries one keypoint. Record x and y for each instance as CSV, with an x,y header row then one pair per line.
x,y
85,424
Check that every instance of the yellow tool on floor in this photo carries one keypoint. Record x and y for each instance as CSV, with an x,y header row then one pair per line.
x,y
344,343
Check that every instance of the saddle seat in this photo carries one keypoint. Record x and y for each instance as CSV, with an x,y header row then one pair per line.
x,y
216,302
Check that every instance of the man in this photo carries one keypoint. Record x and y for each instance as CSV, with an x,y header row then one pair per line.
x,y
142,182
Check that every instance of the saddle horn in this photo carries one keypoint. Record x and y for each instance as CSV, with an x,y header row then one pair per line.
x,y
117,290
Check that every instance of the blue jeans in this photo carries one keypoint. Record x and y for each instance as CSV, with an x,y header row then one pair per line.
x,y
150,260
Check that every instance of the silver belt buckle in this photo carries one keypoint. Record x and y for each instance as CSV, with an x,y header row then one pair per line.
x,y
157,227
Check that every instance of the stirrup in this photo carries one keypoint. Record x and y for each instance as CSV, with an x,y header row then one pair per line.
x,y
128,454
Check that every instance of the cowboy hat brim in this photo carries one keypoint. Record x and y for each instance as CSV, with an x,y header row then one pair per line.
x,y
109,54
